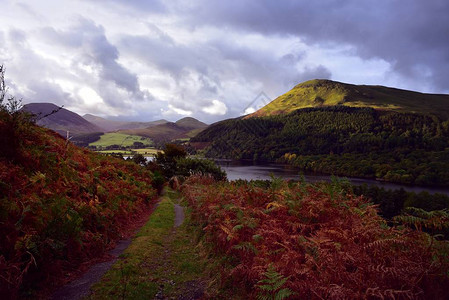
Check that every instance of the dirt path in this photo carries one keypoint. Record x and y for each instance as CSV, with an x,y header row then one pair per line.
x,y
80,287
162,262
179,215
167,264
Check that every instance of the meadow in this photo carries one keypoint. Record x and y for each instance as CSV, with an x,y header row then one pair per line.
x,y
120,139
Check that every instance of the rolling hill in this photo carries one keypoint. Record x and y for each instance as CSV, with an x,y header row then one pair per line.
x,y
110,125
61,121
183,128
342,129
320,93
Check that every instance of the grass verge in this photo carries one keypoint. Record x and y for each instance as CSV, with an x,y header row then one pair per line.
x,y
162,261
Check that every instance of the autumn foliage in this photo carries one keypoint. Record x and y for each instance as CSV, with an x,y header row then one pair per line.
x,y
60,205
299,241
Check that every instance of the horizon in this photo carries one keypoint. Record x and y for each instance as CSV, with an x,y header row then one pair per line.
x,y
157,59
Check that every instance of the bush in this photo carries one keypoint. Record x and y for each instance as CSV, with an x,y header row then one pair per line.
x,y
190,166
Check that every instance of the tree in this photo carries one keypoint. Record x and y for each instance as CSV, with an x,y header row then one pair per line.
x,y
167,159
12,105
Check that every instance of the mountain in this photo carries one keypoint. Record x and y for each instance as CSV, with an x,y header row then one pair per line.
x,y
110,125
183,128
343,129
62,120
320,92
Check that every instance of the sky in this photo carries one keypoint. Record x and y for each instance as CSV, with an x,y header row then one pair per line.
x,y
146,60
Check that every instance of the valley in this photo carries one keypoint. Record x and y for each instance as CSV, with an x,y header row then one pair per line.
x,y
64,206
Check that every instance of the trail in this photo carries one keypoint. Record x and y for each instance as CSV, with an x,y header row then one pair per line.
x,y
80,288
162,261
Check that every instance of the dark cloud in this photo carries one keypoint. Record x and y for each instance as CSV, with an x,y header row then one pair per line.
x,y
411,35
206,70
196,55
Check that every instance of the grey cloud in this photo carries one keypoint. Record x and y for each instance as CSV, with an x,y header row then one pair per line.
x,y
411,35
34,83
96,51
137,6
207,70
45,91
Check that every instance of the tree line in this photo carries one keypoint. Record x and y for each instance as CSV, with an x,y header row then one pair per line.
x,y
398,147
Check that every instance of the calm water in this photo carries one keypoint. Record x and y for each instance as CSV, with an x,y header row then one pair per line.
x,y
250,171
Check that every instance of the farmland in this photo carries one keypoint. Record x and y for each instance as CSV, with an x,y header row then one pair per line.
x,y
120,139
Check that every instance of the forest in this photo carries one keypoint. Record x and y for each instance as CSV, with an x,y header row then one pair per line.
x,y
408,148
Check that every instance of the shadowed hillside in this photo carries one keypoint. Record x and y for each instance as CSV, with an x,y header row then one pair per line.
x,y
110,125
62,120
184,128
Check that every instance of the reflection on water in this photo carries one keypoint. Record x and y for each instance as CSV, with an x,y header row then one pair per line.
x,y
250,171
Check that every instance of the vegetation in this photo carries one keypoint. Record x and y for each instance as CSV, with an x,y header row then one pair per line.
x,y
314,242
160,261
83,140
60,205
168,132
120,140
319,93
360,142
174,162
392,202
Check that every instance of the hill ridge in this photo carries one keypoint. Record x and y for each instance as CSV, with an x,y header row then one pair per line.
x,y
62,120
325,92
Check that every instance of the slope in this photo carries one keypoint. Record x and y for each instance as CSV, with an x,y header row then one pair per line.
x,y
110,125
184,128
320,92
60,205
61,121
406,148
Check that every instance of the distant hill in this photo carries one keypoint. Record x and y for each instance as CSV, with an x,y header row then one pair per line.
x,y
110,125
320,92
62,121
190,123
183,128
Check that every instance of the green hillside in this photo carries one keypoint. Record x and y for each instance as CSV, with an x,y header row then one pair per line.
x,y
347,141
319,93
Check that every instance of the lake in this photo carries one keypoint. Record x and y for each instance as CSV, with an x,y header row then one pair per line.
x,y
248,170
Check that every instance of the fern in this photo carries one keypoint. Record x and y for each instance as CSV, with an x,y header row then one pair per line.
x,y
419,218
271,287
246,246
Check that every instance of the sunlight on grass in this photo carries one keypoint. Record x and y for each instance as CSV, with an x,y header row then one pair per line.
x,y
120,139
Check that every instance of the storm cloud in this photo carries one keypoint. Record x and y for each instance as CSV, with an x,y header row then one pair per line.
x,y
411,35
146,60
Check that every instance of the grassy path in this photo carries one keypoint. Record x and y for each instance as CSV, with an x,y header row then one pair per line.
x,y
162,262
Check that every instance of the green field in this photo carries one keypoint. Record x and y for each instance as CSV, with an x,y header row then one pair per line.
x,y
121,139
144,152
